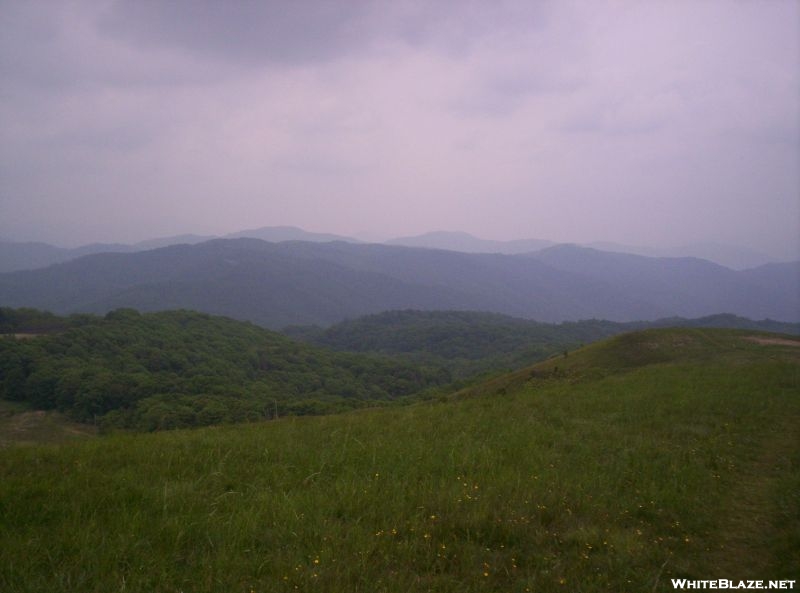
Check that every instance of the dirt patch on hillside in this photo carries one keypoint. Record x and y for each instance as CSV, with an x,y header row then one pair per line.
x,y
39,427
773,341
21,336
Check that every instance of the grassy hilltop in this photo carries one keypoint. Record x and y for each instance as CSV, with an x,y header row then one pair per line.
x,y
651,456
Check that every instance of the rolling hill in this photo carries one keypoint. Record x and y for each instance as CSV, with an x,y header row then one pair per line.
x,y
658,455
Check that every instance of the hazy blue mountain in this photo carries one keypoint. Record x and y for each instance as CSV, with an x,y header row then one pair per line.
x,y
99,248
243,278
783,279
514,285
28,256
16,256
458,241
276,234
693,286
294,282
188,239
730,256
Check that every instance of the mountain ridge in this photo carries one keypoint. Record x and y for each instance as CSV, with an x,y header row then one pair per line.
x,y
15,256
19,256
298,282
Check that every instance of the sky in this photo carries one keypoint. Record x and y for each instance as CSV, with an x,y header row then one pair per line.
x,y
644,122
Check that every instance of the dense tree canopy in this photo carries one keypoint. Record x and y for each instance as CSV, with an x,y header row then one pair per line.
x,y
180,368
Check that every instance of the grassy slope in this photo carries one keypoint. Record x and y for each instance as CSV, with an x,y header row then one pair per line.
x,y
654,455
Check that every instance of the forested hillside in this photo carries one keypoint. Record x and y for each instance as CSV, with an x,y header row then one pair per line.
x,y
180,368
469,342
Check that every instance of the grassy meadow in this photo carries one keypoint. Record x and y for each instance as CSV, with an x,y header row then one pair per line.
x,y
655,455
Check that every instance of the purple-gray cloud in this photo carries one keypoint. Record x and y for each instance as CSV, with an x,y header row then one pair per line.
x,y
655,122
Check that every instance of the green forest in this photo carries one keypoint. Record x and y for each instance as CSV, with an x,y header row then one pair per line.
x,y
182,369
469,342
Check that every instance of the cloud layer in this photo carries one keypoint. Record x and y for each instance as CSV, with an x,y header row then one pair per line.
x,y
641,122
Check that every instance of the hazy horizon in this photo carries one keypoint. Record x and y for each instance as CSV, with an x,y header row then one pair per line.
x,y
727,254
655,123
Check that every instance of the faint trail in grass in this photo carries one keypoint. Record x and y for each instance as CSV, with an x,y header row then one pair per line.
x,y
747,537
707,337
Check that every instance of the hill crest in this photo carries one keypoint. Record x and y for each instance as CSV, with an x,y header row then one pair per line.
x,y
643,348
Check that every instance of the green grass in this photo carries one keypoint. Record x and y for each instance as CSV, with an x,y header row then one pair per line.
x,y
628,466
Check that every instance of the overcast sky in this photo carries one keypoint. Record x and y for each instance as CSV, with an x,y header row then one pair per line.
x,y
641,122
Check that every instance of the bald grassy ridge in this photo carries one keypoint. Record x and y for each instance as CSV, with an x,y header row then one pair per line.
x,y
622,468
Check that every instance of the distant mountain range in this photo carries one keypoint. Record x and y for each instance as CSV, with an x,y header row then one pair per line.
x,y
730,256
302,282
30,256
27,256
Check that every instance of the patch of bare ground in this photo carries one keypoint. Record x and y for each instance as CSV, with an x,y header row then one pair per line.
x,y
753,524
773,341
21,336
39,427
